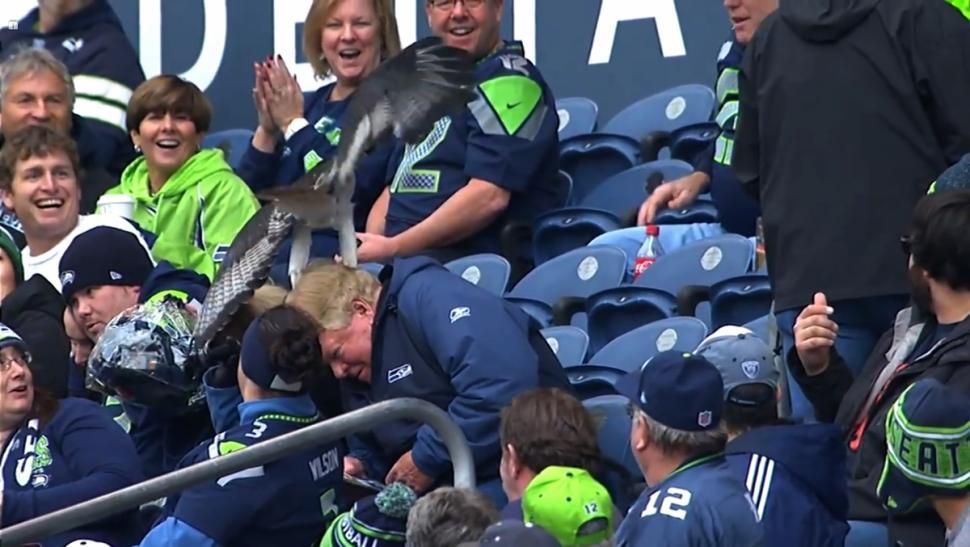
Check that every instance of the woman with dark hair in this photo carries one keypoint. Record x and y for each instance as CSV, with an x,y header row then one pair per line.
x,y
286,502
57,453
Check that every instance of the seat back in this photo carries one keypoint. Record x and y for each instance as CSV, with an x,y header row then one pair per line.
x,y
488,271
614,312
665,111
630,351
563,230
700,212
625,192
568,343
703,262
233,142
540,311
613,422
592,158
739,300
580,272
577,115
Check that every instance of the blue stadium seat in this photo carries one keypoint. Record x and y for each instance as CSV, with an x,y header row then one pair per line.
x,y
761,327
623,477
234,142
568,343
625,192
739,300
619,310
576,274
488,271
538,310
563,230
630,351
564,182
700,212
577,115
592,158
665,111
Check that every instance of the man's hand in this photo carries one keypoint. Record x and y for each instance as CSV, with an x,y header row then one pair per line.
x,y
405,471
354,467
375,248
815,334
674,194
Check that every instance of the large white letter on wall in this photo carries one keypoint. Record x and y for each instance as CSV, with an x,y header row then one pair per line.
x,y
206,66
287,14
612,12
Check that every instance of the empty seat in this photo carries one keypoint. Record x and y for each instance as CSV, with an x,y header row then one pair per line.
x,y
563,230
619,310
568,343
488,271
665,111
577,115
630,351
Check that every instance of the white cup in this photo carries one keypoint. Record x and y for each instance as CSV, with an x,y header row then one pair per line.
x,y
122,205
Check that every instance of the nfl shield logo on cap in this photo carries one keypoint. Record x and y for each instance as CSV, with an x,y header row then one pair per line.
x,y
704,418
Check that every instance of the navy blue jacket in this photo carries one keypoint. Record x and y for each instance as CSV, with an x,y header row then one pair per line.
x,y
439,338
105,68
79,455
286,502
797,477
315,142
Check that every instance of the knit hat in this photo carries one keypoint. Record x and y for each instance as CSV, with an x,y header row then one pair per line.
x,y
515,533
10,247
10,338
957,177
375,521
570,504
104,256
256,363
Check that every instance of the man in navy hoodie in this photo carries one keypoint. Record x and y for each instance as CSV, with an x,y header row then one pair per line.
x,y
421,331
104,272
796,474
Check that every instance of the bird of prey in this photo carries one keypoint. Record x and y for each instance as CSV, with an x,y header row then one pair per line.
x,y
404,96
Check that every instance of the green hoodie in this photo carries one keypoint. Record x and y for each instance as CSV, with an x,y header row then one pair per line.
x,y
196,214
963,6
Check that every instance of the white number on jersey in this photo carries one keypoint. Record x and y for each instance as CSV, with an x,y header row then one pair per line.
x,y
258,429
674,504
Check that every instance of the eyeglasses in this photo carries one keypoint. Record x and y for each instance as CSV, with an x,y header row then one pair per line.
x,y
450,4
906,244
22,360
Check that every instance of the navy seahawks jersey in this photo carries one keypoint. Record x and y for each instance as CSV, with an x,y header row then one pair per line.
x,y
726,90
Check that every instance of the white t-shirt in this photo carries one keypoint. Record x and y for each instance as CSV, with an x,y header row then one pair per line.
x,y
48,264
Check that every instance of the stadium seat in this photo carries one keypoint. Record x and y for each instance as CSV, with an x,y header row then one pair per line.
x,y
488,271
538,310
619,310
233,142
701,211
686,143
592,158
738,300
568,343
564,183
565,281
761,327
630,351
563,230
577,115
624,192
665,111
622,476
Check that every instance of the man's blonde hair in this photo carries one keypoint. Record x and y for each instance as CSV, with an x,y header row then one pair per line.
x,y
327,290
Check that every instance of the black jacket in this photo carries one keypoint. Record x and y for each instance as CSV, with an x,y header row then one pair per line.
x,y
849,110
35,311
839,399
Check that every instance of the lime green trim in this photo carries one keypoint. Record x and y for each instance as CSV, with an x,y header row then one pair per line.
x,y
513,99
160,296
311,160
228,447
694,463
291,419
372,532
403,189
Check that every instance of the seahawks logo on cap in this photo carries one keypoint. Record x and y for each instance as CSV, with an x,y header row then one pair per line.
x,y
751,369
67,277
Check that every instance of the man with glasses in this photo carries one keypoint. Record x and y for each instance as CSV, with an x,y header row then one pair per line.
x,y
496,161
930,340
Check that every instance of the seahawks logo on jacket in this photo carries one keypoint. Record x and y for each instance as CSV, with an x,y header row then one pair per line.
x,y
36,458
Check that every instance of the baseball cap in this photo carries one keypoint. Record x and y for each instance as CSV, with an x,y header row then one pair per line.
x,y
10,338
516,533
928,446
680,390
742,359
570,504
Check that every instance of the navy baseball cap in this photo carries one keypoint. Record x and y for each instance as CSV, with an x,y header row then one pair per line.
x,y
742,359
517,534
680,390
928,446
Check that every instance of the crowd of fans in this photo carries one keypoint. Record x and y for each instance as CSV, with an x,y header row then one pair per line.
x,y
843,126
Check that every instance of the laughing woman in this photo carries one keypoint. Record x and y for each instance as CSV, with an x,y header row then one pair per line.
x,y
57,453
189,198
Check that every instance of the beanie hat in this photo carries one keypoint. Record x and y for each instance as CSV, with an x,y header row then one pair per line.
x,y
10,247
256,363
104,256
378,521
956,177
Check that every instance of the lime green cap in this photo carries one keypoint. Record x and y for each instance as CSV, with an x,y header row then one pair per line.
x,y
569,504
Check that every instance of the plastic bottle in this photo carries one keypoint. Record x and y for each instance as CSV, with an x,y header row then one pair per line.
x,y
649,252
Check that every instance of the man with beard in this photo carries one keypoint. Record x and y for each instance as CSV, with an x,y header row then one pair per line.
x,y
930,340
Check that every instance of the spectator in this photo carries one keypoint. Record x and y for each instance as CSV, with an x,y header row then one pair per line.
x,y
343,39
737,211
189,198
86,36
278,503
58,453
39,182
376,521
542,428
429,334
36,89
571,505
691,496
449,516
798,504
930,340
515,533
11,264
861,100
928,435
498,161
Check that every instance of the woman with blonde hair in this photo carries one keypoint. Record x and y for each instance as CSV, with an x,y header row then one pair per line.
x,y
344,40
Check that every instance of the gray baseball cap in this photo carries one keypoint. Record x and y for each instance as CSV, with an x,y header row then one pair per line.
x,y
742,359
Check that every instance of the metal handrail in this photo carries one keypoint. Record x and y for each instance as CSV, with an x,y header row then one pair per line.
x,y
255,455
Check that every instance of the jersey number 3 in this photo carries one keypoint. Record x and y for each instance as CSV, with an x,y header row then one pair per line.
x,y
674,503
